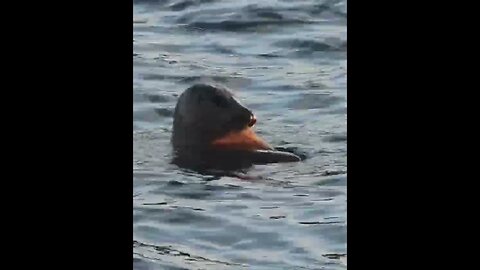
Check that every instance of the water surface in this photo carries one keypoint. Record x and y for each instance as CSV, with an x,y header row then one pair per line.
x,y
286,60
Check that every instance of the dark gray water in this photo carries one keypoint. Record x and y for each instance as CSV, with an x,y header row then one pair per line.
x,y
286,60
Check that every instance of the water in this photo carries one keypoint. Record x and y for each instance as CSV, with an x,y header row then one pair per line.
x,y
286,60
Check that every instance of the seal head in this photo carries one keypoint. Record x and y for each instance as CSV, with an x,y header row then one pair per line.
x,y
209,122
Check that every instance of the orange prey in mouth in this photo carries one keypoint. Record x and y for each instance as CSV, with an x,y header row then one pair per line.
x,y
245,139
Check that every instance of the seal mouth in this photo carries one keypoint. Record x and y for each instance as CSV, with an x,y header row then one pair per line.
x,y
244,139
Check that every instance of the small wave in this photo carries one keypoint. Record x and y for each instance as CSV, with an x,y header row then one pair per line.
x,y
336,138
251,17
334,256
307,45
157,98
174,5
182,5
229,81
269,55
240,26
319,222
165,112
314,101
264,12
171,251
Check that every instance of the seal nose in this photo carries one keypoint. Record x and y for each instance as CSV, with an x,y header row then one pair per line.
x,y
253,120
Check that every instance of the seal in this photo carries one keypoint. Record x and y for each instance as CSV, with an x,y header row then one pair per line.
x,y
212,129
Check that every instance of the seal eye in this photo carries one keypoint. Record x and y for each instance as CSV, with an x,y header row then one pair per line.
x,y
220,101
252,121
